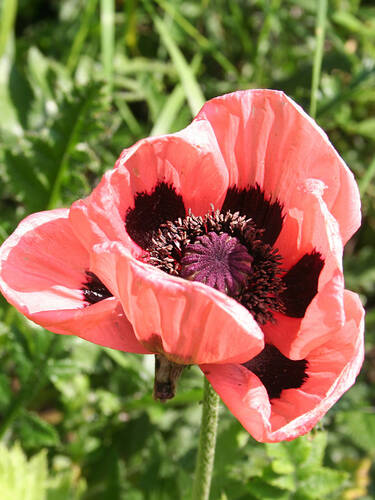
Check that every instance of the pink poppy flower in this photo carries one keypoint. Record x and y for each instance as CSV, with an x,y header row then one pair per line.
x,y
223,244
45,274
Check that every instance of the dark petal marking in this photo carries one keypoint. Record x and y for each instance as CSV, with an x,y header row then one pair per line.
x,y
151,210
301,284
276,371
253,203
93,289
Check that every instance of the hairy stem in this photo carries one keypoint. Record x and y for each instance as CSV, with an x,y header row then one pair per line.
x,y
207,442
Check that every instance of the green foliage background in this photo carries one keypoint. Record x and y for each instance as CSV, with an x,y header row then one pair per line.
x,y
80,81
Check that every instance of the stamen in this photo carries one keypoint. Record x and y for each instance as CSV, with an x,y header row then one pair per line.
x,y
93,289
225,251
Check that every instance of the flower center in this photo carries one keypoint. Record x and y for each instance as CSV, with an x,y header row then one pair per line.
x,y
225,251
218,260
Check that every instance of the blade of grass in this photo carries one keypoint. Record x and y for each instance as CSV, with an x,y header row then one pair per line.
x,y
71,141
140,64
169,112
271,9
367,178
128,117
107,31
192,31
349,91
321,20
8,17
191,87
130,8
81,35
173,105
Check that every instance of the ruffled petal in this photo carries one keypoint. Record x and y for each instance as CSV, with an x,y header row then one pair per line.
x,y
104,324
308,227
189,163
267,139
187,321
42,273
331,370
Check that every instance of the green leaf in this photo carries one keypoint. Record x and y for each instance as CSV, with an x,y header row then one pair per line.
x,y
321,483
65,486
35,432
21,478
366,128
10,126
352,23
264,491
360,427
5,392
38,168
365,181
7,19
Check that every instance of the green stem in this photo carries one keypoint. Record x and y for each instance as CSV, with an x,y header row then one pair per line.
x,y
107,31
207,442
321,19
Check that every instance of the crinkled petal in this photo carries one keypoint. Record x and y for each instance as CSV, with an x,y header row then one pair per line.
x,y
42,271
188,161
187,321
104,324
332,369
267,139
309,226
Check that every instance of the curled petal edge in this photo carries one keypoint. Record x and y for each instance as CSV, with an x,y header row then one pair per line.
x,y
177,317
309,226
36,279
246,397
266,138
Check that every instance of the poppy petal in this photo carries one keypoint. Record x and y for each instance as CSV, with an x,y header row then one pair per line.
x,y
331,370
154,181
309,228
254,204
104,324
267,139
181,319
42,273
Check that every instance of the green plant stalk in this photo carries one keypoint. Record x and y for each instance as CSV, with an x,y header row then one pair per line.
x,y
8,14
321,21
193,92
194,33
107,31
271,9
81,35
207,443
366,179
